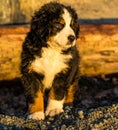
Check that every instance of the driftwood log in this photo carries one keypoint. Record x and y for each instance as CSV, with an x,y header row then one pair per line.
x,y
98,47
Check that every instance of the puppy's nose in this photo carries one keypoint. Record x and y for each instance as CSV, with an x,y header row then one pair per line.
x,y
71,38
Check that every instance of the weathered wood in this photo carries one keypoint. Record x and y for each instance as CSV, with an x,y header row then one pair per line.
x,y
98,47
11,38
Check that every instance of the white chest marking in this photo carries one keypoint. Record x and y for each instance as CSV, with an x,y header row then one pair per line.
x,y
51,63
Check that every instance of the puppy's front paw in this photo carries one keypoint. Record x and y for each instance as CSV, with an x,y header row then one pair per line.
x,y
54,112
54,107
37,116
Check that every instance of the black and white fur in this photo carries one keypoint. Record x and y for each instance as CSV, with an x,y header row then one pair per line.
x,y
50,59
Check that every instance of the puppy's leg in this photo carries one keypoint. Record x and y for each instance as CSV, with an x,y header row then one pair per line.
x,y
55,106
70,94
34,95
57,96
36,109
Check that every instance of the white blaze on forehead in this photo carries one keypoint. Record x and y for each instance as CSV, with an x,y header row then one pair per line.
x,y
67,18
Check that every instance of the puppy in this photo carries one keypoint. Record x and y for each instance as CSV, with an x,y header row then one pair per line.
x,y
50,59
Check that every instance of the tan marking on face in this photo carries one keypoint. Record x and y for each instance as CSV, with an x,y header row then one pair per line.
x,y
38,104
62,21
51,38
30,69
64,71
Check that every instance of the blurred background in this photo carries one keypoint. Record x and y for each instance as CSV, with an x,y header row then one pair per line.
x,y
90,11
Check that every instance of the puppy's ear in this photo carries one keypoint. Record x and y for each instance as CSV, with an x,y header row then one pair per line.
x,y
39,25
40,19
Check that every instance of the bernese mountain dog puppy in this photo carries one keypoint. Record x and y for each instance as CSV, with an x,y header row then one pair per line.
x,y
50,59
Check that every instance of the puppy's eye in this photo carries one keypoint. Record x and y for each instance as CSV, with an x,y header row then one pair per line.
x,y
59,24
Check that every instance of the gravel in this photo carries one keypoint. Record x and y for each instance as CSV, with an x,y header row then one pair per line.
x,y
96,107
101,118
